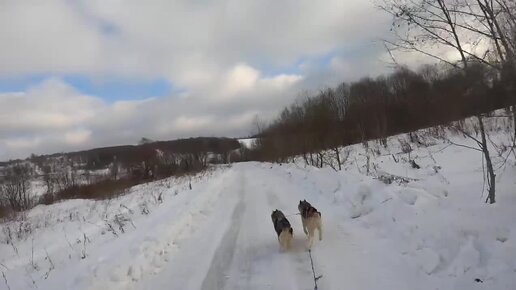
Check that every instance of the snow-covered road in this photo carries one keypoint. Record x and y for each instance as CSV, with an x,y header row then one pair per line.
x,y
221,237
236,246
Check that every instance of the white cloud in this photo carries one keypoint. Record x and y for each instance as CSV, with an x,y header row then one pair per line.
x,y
51,105
281,81
241,78
187,41
38,37
52,116
77,137
184,124
340,65
21,143
221,54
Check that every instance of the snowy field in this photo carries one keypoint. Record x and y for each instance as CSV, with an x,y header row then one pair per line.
x,y
433,231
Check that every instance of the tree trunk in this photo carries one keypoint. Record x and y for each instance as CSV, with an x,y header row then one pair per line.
x,y
337,153
497,34
305,157
513,109
491,176
453,31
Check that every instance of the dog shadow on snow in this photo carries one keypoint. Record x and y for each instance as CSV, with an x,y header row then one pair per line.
x,y
271,251
299,245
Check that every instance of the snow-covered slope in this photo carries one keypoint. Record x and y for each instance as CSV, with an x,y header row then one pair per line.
x,y
431,232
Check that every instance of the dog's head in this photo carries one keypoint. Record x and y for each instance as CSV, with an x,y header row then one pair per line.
x,y
277,215
303,204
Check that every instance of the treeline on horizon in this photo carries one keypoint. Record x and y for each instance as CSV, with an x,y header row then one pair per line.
x,y
104,173
130,155
375,108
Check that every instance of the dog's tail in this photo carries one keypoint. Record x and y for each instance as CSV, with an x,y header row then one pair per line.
x,y
285,238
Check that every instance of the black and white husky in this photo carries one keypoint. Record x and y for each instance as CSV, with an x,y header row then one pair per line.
x,y
283,229
311,220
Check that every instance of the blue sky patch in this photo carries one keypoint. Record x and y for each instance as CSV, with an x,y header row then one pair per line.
x,y
321,61
109,89
114,89
19,84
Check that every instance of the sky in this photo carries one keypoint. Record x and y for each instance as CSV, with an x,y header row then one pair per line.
x,y
78,74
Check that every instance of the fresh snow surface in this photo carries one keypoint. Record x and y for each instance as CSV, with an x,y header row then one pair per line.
x,y
434,232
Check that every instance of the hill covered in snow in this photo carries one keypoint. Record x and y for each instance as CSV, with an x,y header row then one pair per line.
x,y
387,224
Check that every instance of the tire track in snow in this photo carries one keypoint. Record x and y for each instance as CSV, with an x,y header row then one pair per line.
x,y
350,255
257,262
298,261
216,276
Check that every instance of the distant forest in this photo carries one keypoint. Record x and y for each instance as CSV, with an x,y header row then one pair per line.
x,y
375,108
107,172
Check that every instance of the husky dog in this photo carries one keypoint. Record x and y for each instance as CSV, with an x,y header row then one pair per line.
x,y
283,229
311,220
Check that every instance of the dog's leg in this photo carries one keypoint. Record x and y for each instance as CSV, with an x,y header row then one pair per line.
x,y
304,225
320,229
289,241
310,242
311,235
284,240
291,238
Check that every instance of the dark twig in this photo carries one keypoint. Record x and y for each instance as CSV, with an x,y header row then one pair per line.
x,y
465,146
5,280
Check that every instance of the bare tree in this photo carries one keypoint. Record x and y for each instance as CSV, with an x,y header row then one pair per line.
x,y
114,168
48,179
495,21
421,25
16,187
